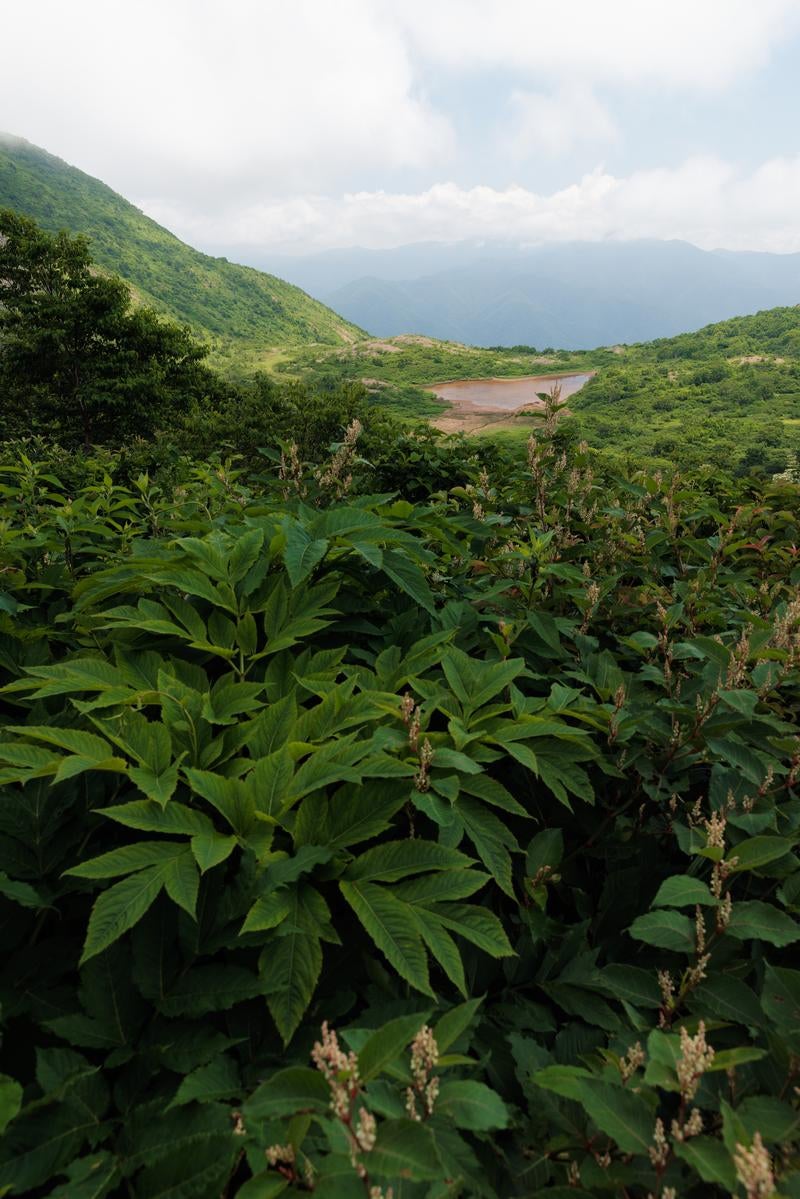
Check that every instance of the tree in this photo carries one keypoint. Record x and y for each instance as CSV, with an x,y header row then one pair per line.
x,y
77,361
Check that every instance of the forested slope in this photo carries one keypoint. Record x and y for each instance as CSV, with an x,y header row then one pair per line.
x,y
219,299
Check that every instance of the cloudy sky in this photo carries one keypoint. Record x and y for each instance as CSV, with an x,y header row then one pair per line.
x,y
299,125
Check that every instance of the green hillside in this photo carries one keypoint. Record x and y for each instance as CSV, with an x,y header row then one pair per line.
x,y
727,395
247,309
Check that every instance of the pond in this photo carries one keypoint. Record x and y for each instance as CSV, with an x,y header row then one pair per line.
x,y
506,395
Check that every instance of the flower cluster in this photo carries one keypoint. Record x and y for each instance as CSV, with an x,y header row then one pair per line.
x,y
340,1071
696,1057
280,1155
337,477
424,1058
409,714
659,1150
737,667
690,1128
422,777
630,1063
754,1169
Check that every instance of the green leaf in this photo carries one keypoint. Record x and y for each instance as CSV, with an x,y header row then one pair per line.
x,y
729,999
231,798
455,1022
682,891
395,860
442,948
388,1042
295,1089
219,1079
475,682
263,1186
492,840
150,817
290,968
565,1081
472,1105
22,893
182,882
159,787
546,849
754,920
729,1059
780,997
10,1100
405,1149
211,848
122,906
620,1114
302,552
710,1159
209,988
389,924
409,578
666,929
268,911
759,851
475,924
631,984
127,859
777,1121
432,888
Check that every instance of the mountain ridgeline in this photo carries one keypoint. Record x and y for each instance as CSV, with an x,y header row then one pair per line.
x,y
577,295
221,301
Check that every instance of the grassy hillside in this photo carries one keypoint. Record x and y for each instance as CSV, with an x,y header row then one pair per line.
x,y
246,309
728,395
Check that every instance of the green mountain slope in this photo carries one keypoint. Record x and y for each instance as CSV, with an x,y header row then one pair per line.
x,y
223,302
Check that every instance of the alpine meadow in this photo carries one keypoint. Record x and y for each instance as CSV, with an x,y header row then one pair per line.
x,y
399,792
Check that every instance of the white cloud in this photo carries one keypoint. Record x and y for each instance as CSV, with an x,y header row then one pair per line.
x,y
190,98
556,124
699,44
256,120
705,201
193,100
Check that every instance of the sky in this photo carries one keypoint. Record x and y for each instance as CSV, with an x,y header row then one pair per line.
x,y
318,124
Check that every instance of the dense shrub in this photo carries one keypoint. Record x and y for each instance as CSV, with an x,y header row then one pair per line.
x,y
495,790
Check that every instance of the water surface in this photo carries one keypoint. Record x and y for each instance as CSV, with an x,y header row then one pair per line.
x,y
506,394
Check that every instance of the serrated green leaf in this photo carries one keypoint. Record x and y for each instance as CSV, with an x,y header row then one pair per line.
x,y
218,1079
395,860
391,927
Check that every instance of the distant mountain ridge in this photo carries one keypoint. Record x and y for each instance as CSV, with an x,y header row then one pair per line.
x,y
571,295
219,299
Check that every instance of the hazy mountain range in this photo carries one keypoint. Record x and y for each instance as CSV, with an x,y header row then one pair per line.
x,y
571,296
574,295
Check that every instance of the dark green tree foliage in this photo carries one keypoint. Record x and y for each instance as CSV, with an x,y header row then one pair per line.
x,y
512,770
76,360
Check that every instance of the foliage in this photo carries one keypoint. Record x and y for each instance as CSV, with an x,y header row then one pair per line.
x,y
240,310
75,361
728,395
499,782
